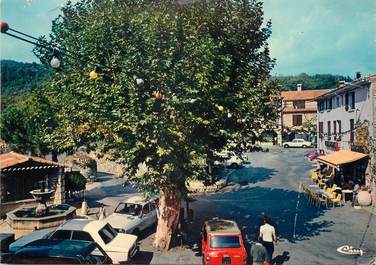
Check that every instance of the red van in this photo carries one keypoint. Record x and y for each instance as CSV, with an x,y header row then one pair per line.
x,y
222,243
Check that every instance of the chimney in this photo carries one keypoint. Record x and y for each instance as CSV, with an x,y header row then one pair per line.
x,y
299,87
358,75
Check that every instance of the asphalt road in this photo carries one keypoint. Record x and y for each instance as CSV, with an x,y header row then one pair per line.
x,y
268,185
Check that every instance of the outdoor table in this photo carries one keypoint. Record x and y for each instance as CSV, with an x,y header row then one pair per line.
x,y
338,190
347,195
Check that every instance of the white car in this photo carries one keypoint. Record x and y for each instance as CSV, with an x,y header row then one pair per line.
x,y
297,143
228,159
134,215
119,247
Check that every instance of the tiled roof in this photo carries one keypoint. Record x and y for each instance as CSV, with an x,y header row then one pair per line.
x,y
303,95
12,159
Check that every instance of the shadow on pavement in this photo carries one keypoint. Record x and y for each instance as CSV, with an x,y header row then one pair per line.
x,y
142,257
103,176
248,206
251,175
280,259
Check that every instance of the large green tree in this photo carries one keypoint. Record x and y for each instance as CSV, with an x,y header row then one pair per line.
x,y
26,123
175,82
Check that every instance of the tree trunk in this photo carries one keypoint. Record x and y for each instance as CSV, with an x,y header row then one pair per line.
x,y
54,155
168,219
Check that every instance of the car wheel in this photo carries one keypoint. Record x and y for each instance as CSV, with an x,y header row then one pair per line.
x,y
234,165
304,146
286,146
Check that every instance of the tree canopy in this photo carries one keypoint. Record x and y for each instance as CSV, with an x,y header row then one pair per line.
x,y
172,83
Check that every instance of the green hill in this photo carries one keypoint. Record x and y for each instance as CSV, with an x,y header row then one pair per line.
x,y
317,81
18,78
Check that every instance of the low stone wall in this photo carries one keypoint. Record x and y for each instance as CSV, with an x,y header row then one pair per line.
x,y
10,206
25,223
108,166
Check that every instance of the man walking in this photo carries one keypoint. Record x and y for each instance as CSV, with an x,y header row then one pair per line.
x,y
268,238
258,253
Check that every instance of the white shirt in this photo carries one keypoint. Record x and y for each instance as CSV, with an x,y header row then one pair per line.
x,y
267,232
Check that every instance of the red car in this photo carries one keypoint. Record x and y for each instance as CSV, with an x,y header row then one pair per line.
x,y
222,243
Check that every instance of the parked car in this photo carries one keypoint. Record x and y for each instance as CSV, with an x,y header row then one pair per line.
x,y
298,143
31,237
228,159
222,243
134,215
119,246
47,251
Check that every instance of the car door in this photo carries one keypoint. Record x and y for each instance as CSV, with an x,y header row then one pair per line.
x,y
204,242
295,143
82,235
61,234
153,212
145,217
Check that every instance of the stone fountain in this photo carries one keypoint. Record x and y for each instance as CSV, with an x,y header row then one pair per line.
x,y
42,195
40,216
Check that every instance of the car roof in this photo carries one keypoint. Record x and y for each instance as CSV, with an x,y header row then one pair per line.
x,y
74,224
56,248
221,226
83,225
138,199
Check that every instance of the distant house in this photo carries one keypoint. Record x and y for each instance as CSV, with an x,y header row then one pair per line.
x,y
21,173
344,109
298,108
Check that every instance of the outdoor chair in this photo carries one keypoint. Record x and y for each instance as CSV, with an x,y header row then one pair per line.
x,y
322,200
337,200
314,176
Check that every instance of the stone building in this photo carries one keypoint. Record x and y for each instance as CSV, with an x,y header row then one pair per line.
x,y
298,110
341,111
21,173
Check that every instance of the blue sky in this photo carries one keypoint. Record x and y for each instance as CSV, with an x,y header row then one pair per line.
x,y
311,36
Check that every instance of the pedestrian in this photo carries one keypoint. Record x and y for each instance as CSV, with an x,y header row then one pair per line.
x,y
268,237
259,254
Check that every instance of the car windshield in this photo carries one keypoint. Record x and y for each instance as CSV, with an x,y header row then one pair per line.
x,y
107,233
129,208
224,242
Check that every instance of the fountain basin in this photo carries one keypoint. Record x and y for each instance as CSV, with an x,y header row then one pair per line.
x,y
42,196
25,218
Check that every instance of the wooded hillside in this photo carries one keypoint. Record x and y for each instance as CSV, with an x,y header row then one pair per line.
x,y
18,77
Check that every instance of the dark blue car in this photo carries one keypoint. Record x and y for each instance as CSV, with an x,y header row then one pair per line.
x,y
47,251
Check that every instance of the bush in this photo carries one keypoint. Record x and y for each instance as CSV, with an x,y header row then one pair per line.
x,y
74,181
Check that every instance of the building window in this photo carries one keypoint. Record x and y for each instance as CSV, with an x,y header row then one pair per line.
x,y
328,103
321,105
297,120
334,128
299,104
329,131
321,129
339,137
350,101
352,133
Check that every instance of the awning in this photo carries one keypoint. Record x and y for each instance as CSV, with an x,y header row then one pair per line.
x,y
341,157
